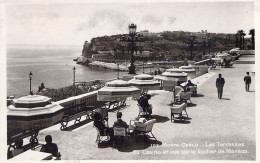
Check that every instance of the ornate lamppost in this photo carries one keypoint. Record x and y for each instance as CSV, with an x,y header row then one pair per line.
x,y
133,44
74,70
30,79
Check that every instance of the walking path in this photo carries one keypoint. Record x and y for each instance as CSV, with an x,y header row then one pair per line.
x,y
219,129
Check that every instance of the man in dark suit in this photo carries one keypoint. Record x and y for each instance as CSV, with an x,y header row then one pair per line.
x,y
220,82
120,122
247,80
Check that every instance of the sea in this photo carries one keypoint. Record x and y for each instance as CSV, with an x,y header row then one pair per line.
x,y
51,65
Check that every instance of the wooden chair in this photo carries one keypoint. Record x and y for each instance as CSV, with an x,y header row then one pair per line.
x,y
120,134
177,110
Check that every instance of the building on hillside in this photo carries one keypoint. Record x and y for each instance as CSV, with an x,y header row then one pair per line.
x,y
144,54
103,55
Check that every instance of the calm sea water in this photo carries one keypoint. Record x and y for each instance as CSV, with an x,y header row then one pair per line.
x,y
49,64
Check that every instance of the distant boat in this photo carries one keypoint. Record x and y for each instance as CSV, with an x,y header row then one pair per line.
x,y
75,59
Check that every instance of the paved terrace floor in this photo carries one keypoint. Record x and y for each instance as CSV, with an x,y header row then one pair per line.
x,y
214,122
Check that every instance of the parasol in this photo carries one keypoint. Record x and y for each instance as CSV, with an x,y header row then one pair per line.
x,y
117,90
145,82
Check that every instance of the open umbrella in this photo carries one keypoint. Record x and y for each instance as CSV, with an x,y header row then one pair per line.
x,y
117,90
145,82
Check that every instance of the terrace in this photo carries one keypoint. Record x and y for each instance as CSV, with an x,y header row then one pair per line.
x,y
218,128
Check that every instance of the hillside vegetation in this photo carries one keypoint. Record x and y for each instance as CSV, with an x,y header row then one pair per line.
x,y
169,45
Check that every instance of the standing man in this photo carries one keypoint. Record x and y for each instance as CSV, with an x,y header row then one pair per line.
x,y
247,80
220,84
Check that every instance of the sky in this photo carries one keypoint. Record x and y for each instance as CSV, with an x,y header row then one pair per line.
x,y
73,24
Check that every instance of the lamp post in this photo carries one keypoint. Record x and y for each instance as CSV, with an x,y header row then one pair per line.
x,y
209,44
204,44
132,43
117,70
74,70
30,79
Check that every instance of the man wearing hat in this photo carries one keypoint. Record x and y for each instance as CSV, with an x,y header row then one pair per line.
x,y
220,82
120,122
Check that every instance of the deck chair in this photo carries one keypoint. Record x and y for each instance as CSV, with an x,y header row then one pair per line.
x,y
177,110
192,89
146,128
120,134
177,92
185,96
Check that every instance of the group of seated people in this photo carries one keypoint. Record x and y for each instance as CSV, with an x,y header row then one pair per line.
x,y
186,88
100,124
109,131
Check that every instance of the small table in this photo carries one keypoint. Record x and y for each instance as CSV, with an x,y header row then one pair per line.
x,y
33,155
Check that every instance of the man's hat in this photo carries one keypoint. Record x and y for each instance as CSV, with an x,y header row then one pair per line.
x,y
119,114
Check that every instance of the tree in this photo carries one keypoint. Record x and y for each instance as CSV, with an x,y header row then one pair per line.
x,y
252,33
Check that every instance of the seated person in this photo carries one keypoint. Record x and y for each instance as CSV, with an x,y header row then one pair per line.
x,y
178,85
50,147
143,102
119,122
98,123
190,84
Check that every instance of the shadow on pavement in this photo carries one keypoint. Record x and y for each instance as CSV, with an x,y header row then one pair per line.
x,y
225,99
160,119
185,121
138,142
198,95
191,105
